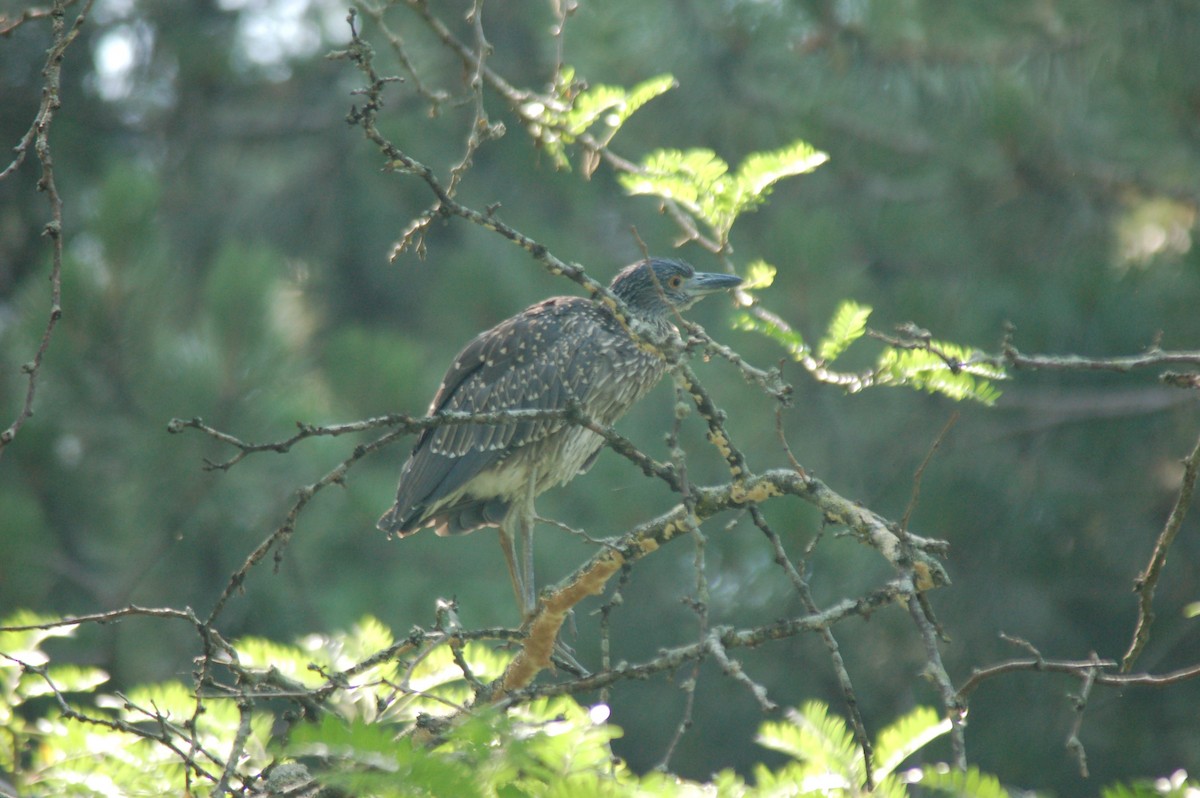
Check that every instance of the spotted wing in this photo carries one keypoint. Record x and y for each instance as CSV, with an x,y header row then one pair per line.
x,y
540,359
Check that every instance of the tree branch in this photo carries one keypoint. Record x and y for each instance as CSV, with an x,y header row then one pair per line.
x,y
1145,584
39,136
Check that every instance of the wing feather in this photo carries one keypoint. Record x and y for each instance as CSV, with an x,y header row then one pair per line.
x,y
539,359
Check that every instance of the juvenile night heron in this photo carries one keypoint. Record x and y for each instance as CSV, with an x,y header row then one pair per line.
x,y
565,349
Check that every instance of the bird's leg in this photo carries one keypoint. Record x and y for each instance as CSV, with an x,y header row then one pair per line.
x,y
529,600
506,543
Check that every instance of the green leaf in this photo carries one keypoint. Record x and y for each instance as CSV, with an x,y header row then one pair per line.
x,y
761,170
1130,791
261,654
815,737
332,736
924,370
953,371
646,91
905,737
942,779
786,337
690,177
80,759
65,678
25,645
726,782
560,120
701,182
848,325
367,758
1177,785
759,274
614,104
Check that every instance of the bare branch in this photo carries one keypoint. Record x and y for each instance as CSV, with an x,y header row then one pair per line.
x,y
8,24
108,617
435,97
906,556
163,732
954,708
1148,580
672,659
280,536
831,644
1151,358
733,669
236,747
920,472
406,424
39,136
771,381
1074,744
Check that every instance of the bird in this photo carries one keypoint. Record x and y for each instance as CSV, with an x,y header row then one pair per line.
x,y
562,351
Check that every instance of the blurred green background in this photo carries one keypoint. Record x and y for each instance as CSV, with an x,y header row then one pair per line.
x,y
1026,161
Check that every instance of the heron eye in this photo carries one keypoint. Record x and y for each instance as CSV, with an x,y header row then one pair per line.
x,y
674,281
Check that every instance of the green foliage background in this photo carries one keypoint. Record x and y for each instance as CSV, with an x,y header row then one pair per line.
x,y
228,240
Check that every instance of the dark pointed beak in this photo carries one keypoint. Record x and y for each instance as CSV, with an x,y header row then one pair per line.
x,y
702,283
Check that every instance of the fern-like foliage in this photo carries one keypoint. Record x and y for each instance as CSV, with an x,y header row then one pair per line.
x,y
814,736
941,367
943,780
905,737
1177,785
848,325
759,275
945,368
703,184
385,721
828,762
789,339
558,121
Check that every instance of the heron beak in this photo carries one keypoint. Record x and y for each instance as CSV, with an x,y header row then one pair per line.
x,y
703,283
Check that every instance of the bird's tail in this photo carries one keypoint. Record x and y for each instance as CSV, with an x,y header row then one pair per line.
x,y
393,523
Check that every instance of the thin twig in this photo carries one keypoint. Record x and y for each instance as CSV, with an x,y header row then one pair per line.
x,y
605,612
563,9
111,616
435,97
1148,580
733,669
1072,667
482,129
166,734
9,24
699,604
406,424
39,136
955,710
831,645
714,417
671,660
1074,744
1152,357
245,707
277,539
771,381
685,721
920,472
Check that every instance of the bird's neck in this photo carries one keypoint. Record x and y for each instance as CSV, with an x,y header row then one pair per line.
x,y
654,331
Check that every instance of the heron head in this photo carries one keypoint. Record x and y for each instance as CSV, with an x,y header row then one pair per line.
x,y
658,287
